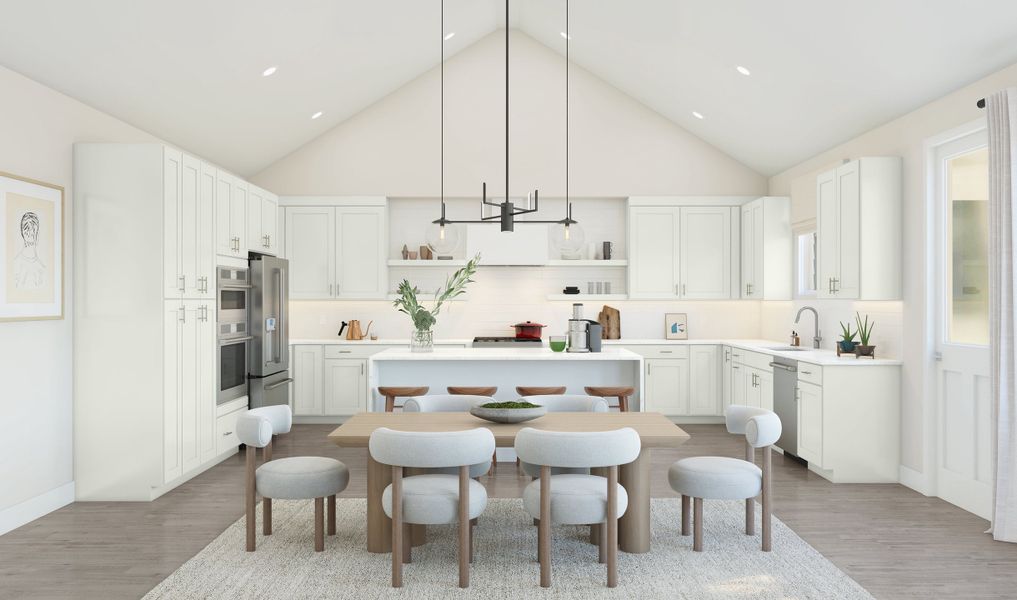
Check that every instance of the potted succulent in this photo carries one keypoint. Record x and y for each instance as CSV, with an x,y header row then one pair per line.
x,y
864,333
422,339
847,342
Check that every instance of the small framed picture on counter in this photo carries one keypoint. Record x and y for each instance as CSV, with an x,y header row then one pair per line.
x,y
676,326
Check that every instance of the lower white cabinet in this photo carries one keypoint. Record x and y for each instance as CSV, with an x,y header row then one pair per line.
x,y
226,438
705,397
810,422
667,386
308,380
345,386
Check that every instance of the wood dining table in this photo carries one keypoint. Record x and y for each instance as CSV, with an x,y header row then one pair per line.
x,y
654,429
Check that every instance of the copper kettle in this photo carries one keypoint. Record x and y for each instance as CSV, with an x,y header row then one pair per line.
x,y
354,332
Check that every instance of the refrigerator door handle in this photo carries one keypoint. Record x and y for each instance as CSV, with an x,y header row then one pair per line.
x,y
282,338
279,384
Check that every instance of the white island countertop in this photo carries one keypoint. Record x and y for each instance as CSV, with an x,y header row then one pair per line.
x,y
499,354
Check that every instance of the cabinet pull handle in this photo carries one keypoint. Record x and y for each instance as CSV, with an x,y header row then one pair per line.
x,y
330,290
683,289
647,368
228,433
798,394
806,372
666,351
345,351
361,368
183,314
182,279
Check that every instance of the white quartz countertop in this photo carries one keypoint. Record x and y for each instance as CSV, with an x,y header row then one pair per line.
x,y
369,342
806,354
519,354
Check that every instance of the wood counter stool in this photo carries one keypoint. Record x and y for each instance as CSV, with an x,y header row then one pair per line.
x,y
622,393
459,390
391,393
529,390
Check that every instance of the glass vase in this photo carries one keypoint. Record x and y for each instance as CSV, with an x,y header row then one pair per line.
x,y
422,341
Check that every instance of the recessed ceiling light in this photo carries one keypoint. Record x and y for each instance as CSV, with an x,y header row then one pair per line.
x,y
566,36
316,115
449,35
743,70
697,114
269,71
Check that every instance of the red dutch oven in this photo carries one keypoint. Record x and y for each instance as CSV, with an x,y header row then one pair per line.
x,y
528,330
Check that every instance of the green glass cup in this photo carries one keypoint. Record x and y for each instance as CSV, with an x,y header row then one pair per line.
x,y
557,343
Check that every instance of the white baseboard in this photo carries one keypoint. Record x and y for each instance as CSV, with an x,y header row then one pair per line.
x,y
915,480
15,516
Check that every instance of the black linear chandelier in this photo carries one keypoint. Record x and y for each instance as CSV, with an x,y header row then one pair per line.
x,y
569,233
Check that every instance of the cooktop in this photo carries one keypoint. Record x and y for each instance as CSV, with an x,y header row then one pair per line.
x,y
496,341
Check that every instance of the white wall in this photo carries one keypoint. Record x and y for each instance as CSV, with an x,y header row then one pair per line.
x,y
38,128
619,146
903,137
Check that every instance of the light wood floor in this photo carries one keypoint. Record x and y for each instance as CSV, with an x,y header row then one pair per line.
x,y
893,541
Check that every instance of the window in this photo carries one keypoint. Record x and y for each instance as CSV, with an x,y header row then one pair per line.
x,y
805,251
967,241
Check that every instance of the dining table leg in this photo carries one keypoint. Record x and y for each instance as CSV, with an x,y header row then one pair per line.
x,y
634,525
379,525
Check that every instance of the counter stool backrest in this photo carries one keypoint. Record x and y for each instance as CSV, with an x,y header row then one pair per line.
x,y
257,426
760,427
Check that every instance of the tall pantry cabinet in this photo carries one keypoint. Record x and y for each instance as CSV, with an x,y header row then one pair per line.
x,y
144,320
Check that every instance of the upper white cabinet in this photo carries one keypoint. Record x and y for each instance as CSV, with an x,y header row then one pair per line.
x,y
693,248
858,213
337,251
706,252
766,249
654,248
188,201
262,221
231,215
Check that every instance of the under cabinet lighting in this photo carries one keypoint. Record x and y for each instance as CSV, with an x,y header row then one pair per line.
x,y
449,35
316,115
269,71
743,70
697,114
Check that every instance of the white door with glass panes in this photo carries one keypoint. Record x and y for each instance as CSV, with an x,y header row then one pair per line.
x,y
964,404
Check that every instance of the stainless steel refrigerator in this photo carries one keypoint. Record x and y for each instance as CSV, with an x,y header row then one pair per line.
x,y
269,376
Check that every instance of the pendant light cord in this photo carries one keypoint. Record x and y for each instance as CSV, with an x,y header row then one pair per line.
x,y
568,42
506,100
442,119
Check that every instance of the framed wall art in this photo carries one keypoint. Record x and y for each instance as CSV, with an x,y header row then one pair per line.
x,y
31,245
676,326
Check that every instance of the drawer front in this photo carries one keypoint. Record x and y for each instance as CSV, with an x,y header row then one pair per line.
x,y
810,373
353,350
226,431
756,360
662,351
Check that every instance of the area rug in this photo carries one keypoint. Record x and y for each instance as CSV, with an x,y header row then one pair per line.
x,y
505,545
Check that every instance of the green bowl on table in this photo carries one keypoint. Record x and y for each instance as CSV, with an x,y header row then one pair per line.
x,y
508,412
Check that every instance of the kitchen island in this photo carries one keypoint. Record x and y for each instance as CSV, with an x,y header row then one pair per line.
x,y
503,367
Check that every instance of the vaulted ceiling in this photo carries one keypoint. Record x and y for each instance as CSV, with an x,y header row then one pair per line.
x,y
190,71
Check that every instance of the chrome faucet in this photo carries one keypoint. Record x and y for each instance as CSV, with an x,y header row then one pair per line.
x,y
818,338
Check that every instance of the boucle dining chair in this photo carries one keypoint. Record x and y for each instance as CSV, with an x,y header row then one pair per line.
x,y
292,478
572,499
726,478
564,403
432,499
449,403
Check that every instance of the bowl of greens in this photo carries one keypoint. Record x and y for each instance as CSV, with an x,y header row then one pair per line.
x,y
508,412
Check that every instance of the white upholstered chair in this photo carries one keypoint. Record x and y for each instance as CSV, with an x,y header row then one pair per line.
x,y
293,478
572,499
432,499
726,478
564,403
450,403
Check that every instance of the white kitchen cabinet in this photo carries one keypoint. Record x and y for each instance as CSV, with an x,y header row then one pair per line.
x,y
726,378
226,436
172,172
654,262
337,252
705,397
345,387
230,215
188,198
858,208
262,207
189,386
766,246
810,422
667,386
308,380
705,252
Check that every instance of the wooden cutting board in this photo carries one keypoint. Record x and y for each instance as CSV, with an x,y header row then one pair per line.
x,y
610,319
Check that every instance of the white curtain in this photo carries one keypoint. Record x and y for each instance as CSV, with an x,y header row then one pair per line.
x,y
1001,112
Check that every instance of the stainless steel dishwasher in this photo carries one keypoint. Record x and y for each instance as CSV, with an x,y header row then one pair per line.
x,y
785,402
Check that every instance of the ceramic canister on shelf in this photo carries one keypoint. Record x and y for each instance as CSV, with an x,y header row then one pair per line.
x,y
591,251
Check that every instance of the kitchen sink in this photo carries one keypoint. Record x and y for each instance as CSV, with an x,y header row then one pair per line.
x,y
786,348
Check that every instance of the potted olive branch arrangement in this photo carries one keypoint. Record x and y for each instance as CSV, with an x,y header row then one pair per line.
x,y
864,333
422,339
